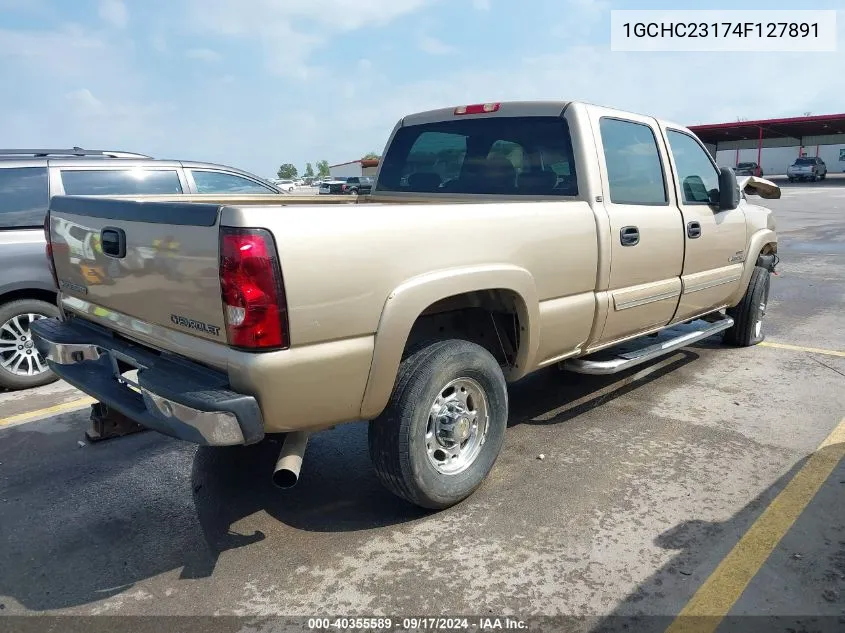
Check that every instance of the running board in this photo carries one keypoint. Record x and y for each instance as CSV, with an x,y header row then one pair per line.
x,y
630,359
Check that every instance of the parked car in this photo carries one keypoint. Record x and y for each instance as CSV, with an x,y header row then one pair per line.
x,y
805,168
319,316
748,169
331,186
285,184
28,178
347,185
359,185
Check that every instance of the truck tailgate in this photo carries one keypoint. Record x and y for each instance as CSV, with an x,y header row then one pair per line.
x,y
154,261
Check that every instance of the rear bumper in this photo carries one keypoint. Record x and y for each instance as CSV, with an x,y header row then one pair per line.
x,y
172,395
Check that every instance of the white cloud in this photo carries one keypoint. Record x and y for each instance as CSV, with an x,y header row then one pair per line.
x,y
203,54
288,32
434,46
85,102
346,111
579,17
589,7
114,12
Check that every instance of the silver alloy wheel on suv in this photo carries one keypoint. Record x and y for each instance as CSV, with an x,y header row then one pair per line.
x,y
17,349
21,365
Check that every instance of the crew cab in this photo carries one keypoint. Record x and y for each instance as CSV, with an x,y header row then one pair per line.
x,y
499,239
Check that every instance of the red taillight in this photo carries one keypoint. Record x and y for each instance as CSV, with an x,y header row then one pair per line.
x,y
252,290
478,108
49,250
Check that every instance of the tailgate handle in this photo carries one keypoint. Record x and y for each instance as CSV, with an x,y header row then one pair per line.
x,y
113,242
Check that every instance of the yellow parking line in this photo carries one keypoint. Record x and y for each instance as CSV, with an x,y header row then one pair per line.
x,y
40,413
799,348
717,596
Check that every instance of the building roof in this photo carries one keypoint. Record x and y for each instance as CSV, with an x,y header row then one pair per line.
x,y
794,127
365,162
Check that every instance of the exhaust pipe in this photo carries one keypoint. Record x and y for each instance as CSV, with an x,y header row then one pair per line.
x,y
286,472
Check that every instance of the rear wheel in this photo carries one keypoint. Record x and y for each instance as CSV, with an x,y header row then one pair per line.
x,y
444,425
748,314
21,365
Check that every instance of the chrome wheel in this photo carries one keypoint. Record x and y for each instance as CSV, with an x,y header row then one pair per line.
x,y
761,312
457,426
18,354
758,325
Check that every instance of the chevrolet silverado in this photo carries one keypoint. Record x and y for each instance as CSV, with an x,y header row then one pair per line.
x,y
499,239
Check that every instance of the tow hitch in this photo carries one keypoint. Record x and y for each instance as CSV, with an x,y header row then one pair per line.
x,y
107,424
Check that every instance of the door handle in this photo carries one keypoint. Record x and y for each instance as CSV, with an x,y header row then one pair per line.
x,y
629,236
693,230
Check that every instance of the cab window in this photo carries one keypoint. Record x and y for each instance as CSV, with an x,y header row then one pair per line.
x,y
634,168
697,176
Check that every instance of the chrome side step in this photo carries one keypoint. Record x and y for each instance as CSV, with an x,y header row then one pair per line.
x,y
630,359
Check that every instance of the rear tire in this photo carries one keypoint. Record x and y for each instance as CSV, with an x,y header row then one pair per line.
x,y
442,430
21,366
748,314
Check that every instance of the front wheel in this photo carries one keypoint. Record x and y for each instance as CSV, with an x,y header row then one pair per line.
x,y
748,314
443,428
21,365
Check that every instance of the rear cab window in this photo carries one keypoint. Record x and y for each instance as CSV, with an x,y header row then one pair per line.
x,y
119,182
632,159
24,197
499,155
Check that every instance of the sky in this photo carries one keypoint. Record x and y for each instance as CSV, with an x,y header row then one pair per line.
x,y
257,83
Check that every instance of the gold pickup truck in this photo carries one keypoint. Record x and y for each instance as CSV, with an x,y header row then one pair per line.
x,y
499,239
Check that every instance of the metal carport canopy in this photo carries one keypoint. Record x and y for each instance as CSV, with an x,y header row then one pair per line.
x,y
823,129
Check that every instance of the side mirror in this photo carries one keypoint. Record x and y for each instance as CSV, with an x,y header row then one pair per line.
x,y
729,194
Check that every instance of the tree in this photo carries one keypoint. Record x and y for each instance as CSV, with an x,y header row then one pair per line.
x,y
323,169
287,171
309,171
371,156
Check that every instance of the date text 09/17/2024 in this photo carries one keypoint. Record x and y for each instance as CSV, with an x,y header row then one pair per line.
x,y
486,623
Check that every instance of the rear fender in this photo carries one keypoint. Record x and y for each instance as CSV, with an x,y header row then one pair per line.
x,y
409,300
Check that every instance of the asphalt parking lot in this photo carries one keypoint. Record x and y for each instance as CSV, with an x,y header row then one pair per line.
x,y
707,483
